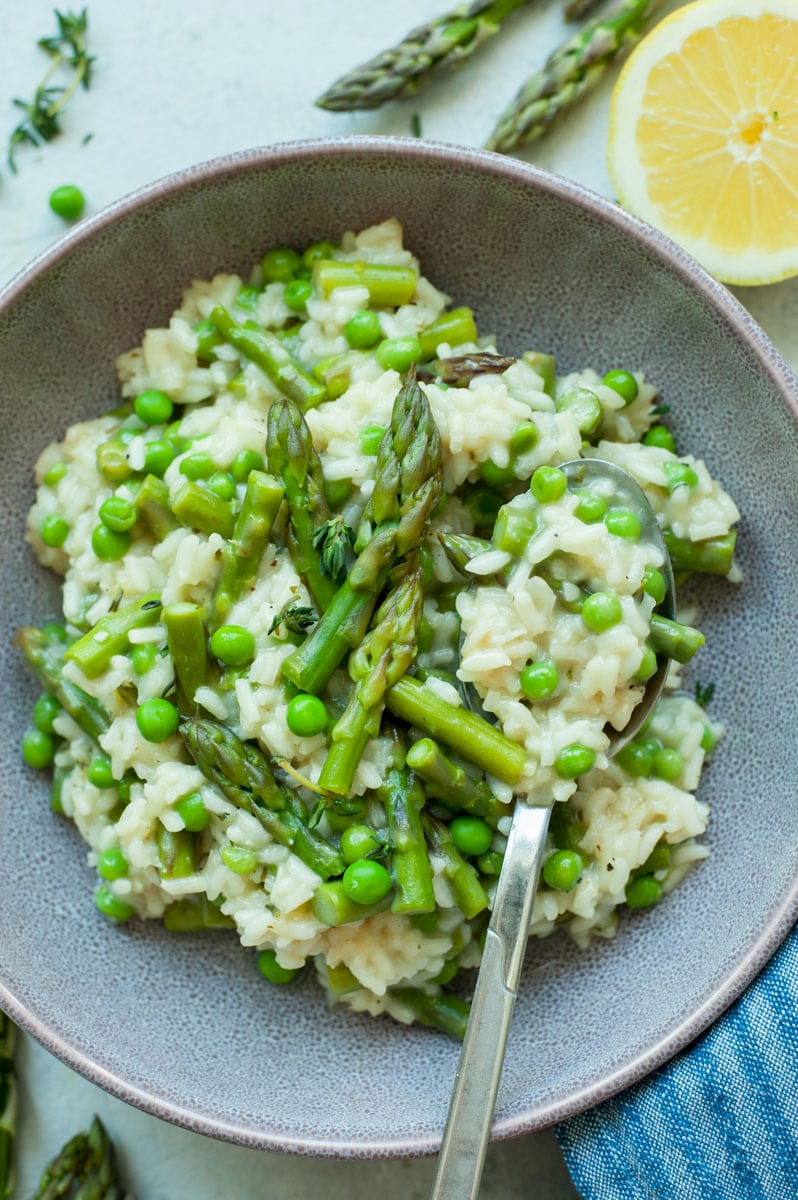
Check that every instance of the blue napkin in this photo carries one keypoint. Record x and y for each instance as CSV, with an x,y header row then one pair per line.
x,y
719,1122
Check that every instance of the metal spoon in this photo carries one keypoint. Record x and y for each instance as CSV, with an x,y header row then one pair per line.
x,y
468,1125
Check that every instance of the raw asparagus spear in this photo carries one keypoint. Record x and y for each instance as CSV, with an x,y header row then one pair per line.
x,y
403,798
452,784
443,42
266,351
570,72
84,1169
242,554
294,461
8,1106
381,660
407,488
243,774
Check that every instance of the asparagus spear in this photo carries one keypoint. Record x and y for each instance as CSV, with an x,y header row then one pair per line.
x,y
459,370
333,907
452,784
243,774
242,554
469,893
190,914
266,351
437,1010
381,660
713,556
185,636
388,285
94,651
443,42
462,547
8,1106
570,72
407,488
44,653
176,852
198,508
84,1169
294,461
403,798
671,639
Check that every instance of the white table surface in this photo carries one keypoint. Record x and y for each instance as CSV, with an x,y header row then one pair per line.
x,y
176,82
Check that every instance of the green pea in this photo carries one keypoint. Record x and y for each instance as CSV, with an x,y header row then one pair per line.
x,y
123,790
484,505
197,466
157,457
524,437
316,251
157,719
341,821
643,891
363,329
562,869
447,972
648,665
496,476
306,715
636,759
337,491
297,293
117,514
153,407
109,545
233,645
471,835
45,711
574,760
243,464
661,437
708,740
624,383
679,475
112,461
111,863
591,508
539,679
601,610
654,584
143,657
111,905
270,968
54,530
222,484
398,353
208,338
366,881
280,264
658,860
99,772
54,473
247,298
193,812
548,484
359,841
239,859
623,523
38,749
490,863
668,764
652,745
370,438
67,201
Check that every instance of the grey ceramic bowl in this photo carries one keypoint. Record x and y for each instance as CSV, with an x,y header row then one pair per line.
x,y
183,1026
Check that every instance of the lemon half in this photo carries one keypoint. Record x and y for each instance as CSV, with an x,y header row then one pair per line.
x,y
703,136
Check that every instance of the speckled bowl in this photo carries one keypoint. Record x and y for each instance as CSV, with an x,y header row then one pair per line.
x,y
183,1026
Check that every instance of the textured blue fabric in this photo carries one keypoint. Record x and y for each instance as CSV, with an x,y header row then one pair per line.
x,y
719,1122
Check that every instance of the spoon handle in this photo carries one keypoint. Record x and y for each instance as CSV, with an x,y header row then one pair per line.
x,y
468,1125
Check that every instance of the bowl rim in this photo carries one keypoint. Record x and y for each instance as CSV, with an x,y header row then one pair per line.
x,y
732,313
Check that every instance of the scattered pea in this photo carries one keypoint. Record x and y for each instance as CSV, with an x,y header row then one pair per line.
x,y
316,251
648,665
67,201
280,264
574,760
109,545
271,970
158,454
197,466
548,484
471,835
591,507
306,715
143,657
157,719
38,749
366,881
243,464
708,740
624,383
153,407
359,841
222,484
524,437
539,679
239,859
668,764
636,759
562,869
111,863
118,514
99,772
398,353
490,863
193,812
54,530
601,610
297,293
661,437
45,711
678,474
643,891
112,461
208,338
111,905
370,438
233,645
54,473
496,476
363,329
623,523
654,584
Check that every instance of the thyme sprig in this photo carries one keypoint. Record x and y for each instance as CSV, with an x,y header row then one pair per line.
x,y
68,51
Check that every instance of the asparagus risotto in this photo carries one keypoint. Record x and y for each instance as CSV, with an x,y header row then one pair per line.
x,y
326,513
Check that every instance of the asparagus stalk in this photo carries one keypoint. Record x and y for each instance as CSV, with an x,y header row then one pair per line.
x,y
388,286
453,327
469,893
176,852
8,1106
84,1169
185,636
451,783
671,639
293,460
464,731
570,72
713,556
381,660
44,654
94,651
242,554
197,508
407,488
459,370
441,43
332,906
152,507
403,798
266,351
437,1010
190,914
243,774
462,547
